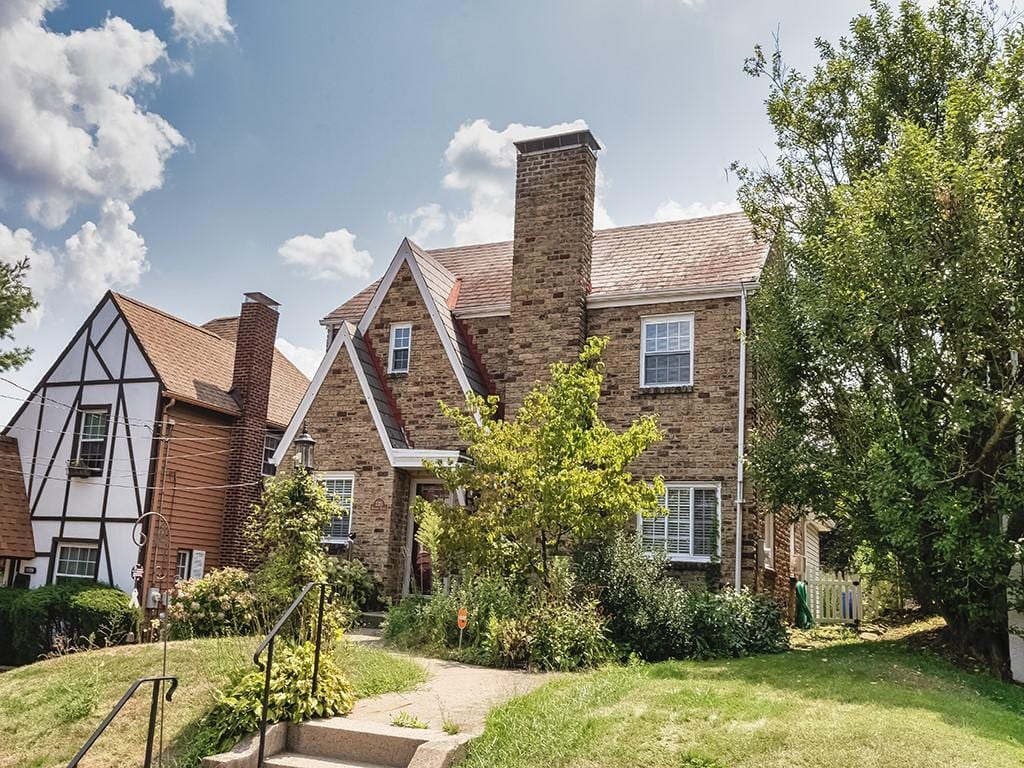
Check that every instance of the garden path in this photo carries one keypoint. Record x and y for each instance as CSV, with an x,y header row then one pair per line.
x,y
458,693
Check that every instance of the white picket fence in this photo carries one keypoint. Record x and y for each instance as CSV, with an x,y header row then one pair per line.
x,y
835,600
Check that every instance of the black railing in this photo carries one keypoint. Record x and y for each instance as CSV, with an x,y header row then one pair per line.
x,y
157,685
268,646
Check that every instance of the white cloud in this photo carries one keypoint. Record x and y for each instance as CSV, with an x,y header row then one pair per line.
x,y
108,255
305,359
423,223
200,21
670,210
43,273
70,126
331,257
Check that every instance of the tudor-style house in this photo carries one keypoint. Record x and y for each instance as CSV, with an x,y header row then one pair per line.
x,y
491,318
144,413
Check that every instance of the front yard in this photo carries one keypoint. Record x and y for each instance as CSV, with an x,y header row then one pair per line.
x,y
48,709
848,706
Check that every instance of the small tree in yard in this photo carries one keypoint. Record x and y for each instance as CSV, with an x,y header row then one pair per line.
x,y
536,486
889,327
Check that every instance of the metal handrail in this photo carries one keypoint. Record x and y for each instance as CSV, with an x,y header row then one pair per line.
x,y
268,646
157,684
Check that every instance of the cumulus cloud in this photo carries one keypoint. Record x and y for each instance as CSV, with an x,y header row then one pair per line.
x,y
423,223
44,271
305,359
670,210
200,21
70,126
331,257
109,254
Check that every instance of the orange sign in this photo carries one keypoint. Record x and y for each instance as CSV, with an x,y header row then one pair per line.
x,y
463,618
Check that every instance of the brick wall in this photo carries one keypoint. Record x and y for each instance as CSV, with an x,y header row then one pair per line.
x,y
254,358
430,377
551,255
491,335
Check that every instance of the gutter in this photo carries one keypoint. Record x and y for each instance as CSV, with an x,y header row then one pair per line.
x,y
740,437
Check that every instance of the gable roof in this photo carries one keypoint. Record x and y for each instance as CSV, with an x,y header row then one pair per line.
x,y
15,523
675,255
349,342
196,363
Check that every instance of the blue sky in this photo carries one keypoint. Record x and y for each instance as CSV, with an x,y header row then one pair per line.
x,y
239,136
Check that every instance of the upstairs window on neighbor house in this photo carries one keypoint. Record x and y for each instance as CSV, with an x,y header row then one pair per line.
x,y
92,431
401,345
270,444
666,351
339,490
689,532
76,561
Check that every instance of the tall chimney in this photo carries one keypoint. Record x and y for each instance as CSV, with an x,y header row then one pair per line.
x,y
551,253
250,384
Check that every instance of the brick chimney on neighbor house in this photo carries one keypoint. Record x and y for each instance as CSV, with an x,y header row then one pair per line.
x,y
551,254
250,385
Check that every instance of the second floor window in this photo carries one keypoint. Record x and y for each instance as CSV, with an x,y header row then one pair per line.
x,y
270,444
339,490
93,428
666,351
401,345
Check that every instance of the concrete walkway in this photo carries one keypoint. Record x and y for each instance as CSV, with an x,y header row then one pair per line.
x,y
455,692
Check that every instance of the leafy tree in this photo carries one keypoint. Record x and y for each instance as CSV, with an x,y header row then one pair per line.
x,y
15,301
889,322
554,476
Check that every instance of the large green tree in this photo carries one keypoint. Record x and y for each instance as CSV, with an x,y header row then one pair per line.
x,y
889,322
15,301
539,484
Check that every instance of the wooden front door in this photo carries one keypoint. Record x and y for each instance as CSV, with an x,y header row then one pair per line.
x,y
420,570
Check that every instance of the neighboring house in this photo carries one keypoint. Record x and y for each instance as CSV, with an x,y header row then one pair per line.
x,y
146,413
490,319
15,526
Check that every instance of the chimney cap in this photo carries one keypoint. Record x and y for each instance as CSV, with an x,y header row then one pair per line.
x,y
255,297
560,141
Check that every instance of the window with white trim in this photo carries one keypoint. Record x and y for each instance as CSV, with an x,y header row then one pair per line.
x,y
183,566
401,346
339,490
689,532
666,351
77,561
769,540
270,443
93,427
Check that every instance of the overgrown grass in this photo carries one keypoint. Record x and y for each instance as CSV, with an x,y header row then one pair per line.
x,y
845,706
48,709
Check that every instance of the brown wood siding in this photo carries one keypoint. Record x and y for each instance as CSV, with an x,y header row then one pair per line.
x,y
197,455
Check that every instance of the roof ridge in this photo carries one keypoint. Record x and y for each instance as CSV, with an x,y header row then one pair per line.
x,y
168,315
671,221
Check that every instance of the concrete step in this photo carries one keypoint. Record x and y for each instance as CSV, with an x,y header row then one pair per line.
x,y
359,741
372,619
292,760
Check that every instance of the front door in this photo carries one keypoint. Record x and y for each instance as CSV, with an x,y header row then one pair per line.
x,y
419,565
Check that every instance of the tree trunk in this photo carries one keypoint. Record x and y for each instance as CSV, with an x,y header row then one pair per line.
x,y
988,641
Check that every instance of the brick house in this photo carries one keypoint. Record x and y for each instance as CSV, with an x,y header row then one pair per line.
x,y
491,318
144,412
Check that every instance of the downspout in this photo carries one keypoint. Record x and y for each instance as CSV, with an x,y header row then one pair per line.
x,y
740,436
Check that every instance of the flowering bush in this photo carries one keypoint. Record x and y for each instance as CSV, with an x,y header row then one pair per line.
x,y
221,603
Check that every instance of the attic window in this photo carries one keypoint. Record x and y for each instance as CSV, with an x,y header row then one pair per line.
x,y
401,345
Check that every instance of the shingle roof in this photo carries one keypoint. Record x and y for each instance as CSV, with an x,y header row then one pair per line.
x,y
396,436
15,522
196,362
674,255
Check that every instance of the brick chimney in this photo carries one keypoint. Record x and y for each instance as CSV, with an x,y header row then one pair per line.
x,y
551,253
250,385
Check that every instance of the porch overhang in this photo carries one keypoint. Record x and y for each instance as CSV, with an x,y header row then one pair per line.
x,y
413,458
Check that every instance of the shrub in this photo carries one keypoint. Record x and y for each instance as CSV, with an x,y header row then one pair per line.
x,y
222,603
237,710
71,615
655,617
354,584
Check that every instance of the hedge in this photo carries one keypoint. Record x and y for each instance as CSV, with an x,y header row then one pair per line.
x,y
34,623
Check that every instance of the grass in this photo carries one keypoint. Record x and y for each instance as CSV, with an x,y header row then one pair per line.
x,y
405,720
841,703
49,709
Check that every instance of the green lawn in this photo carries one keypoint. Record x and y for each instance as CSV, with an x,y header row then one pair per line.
x,y
48,709
854,705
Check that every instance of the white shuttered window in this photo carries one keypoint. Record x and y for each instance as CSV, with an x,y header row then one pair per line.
x,y
339,490
689,532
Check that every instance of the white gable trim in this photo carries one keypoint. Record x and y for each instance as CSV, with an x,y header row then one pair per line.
x,y
406,256
342,339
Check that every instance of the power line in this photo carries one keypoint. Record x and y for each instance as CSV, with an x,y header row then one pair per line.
x,y
143,487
